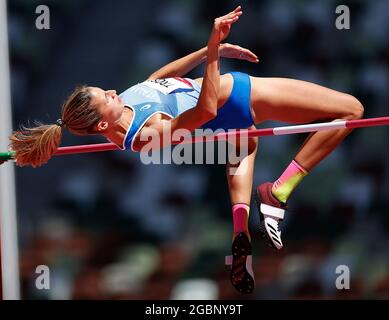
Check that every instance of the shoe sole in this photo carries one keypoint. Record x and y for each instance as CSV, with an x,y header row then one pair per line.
x,y
262,227
240,277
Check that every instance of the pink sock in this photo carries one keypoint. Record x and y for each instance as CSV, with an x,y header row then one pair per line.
x,y
240,214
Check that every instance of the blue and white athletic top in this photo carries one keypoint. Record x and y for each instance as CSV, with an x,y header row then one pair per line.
x,y
171,96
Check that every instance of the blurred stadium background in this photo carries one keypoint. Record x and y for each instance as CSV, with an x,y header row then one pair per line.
x,y
111,228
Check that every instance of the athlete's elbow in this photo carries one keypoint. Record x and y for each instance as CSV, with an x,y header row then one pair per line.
x,y
207,111
208,114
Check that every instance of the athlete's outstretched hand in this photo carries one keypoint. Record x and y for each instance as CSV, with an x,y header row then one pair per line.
x,y
227,50
222,26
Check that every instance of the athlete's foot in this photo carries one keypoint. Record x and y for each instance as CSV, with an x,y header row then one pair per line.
x,y
241,275
271,212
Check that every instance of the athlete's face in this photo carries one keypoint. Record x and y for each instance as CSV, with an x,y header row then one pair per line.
x,y
109,105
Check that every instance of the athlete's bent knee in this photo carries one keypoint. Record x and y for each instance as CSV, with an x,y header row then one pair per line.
x,y
355,109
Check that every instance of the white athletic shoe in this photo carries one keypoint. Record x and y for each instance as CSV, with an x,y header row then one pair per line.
x,y
271,213
269,228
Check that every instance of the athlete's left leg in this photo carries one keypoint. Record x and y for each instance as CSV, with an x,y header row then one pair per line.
x,y
240,182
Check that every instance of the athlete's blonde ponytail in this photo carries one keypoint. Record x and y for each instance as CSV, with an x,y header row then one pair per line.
x,y
35,145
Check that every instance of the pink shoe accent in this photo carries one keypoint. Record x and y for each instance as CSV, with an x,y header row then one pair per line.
x,y
264,195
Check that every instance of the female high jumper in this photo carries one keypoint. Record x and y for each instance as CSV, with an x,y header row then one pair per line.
x,y
230,101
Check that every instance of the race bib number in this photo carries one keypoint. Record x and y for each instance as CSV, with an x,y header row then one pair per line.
x,y
168,85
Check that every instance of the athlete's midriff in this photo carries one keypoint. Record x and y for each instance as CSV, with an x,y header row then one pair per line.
x,y
226,83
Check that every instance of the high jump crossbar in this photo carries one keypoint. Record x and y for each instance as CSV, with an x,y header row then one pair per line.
x,y
276,131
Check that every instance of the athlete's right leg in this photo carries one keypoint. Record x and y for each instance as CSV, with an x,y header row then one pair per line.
x,y
296,102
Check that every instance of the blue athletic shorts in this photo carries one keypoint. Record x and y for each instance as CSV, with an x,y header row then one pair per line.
x,y
236,112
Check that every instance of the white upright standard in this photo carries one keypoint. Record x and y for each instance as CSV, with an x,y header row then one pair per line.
x,y
9,239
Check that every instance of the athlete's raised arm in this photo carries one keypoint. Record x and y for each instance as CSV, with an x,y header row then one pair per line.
x,y
182,66
206,108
